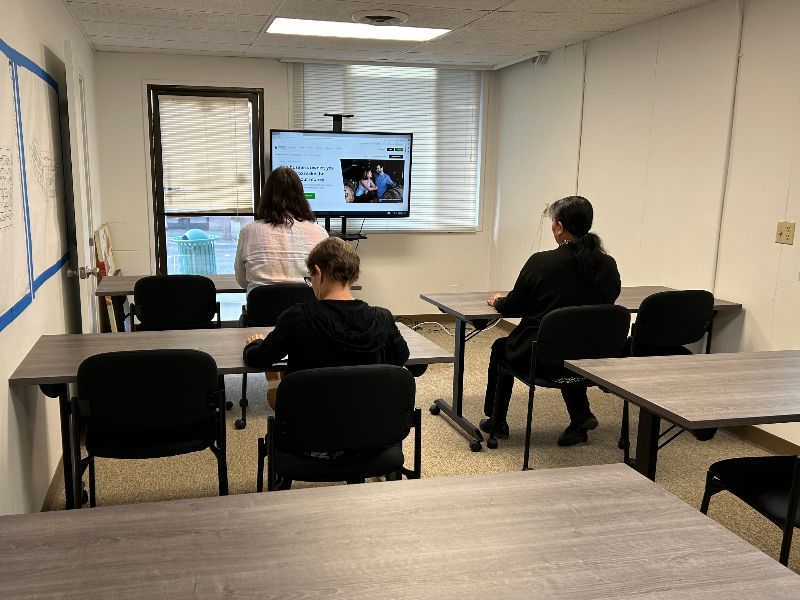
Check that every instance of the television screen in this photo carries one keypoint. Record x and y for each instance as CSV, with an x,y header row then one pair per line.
x,y
348,174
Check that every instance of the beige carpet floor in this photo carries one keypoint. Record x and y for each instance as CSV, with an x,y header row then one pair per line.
x,y
681,465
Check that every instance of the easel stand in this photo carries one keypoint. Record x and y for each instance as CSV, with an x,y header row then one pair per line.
x,y
337,128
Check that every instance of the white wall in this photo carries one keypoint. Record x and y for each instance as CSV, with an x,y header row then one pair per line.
x,y
666,171
538,129
395,267
657,112
763,187
29,422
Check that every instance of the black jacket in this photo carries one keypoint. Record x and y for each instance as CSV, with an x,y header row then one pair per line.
x,y
551,280
331,333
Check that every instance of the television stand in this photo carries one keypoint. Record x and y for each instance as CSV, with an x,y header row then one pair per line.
x,y
348,237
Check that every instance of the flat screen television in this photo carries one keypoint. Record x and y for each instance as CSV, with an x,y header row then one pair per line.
x,y
348,174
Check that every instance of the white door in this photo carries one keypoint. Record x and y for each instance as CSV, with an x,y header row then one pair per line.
x,y
82,259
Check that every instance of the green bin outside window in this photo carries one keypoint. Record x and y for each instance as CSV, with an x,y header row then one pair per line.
x,y
196,254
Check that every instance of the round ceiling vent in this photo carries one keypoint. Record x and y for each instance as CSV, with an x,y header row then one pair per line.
x,y
380,17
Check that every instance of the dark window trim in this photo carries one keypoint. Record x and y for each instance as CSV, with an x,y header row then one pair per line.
x,y
256,98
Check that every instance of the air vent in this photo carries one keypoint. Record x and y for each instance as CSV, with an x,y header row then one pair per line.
x,y
380,17
540,58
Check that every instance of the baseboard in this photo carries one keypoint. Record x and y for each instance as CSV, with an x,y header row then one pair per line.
x,y
764,439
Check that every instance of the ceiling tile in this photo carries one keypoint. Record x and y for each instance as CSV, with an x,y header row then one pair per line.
x,y
151,32
229,7
165,51
193,44
525,21
600,6
154,16
547,39
335,10
487,49
306,53
437,4
299,41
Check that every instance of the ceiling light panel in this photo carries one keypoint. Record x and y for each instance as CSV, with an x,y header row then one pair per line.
x,y
333,10
352,30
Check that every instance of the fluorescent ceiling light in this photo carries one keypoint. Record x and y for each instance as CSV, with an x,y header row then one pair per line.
x,y
353,30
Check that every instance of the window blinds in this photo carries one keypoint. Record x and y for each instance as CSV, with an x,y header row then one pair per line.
x,y
441,107
207,154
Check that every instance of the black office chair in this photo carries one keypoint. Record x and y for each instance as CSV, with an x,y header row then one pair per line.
x,y
149,404
665,323
264,305
163,302
770,484
364,411
571,333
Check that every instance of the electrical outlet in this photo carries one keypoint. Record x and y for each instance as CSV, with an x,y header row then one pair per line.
x,y
785,232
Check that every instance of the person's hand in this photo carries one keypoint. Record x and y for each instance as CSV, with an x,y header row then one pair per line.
x,y
494,298
253,338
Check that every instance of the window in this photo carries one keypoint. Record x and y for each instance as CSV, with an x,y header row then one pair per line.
x,y
207,151
441,107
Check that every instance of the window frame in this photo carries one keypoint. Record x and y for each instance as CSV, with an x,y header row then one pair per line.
x,y
256,98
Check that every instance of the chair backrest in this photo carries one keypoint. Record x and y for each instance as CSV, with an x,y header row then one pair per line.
x,y
673,318
266,303
344,408
175,301
576,332
144,391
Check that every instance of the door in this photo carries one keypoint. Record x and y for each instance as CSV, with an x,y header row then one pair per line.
x,y
80,220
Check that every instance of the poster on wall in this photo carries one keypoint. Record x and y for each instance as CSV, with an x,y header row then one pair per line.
x,y
13,239
43,170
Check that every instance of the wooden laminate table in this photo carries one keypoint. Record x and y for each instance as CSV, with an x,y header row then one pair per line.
x,y
585,533
471,307
53,363
699,391
119,287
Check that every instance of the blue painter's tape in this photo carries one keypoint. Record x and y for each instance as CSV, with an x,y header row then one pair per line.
x,y
23,61
49,272
12,313
24,177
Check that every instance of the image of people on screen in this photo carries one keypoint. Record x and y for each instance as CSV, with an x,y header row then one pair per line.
x,y
372,180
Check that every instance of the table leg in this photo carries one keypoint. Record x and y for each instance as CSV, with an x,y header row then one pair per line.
x,y
647,443
61,392
118,302
454,412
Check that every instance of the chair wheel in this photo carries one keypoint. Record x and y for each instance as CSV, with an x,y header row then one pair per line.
x,y
621,444
240,423
475,446
228,405
491,443
434,409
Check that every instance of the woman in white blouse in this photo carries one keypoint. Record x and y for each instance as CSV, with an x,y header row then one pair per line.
x,y
273,248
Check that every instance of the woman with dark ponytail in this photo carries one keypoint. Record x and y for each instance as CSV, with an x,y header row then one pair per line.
x,y
578,272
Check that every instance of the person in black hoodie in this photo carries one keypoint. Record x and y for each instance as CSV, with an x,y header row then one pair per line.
x,y
337,329
578,272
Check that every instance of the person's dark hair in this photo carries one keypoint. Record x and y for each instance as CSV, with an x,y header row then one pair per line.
x,y
282,199
336,260
575,213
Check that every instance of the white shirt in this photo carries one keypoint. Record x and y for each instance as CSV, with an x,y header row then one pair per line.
x,y
269,253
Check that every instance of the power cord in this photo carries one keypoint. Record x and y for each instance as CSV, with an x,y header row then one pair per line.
x,y
358,241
